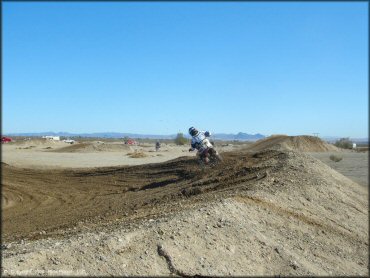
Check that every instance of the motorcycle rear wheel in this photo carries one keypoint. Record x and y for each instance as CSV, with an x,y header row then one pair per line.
x,y
214,157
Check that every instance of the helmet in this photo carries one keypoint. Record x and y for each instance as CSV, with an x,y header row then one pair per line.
x,y
193,131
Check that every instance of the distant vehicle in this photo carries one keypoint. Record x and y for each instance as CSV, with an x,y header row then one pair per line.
x,y
69,141
157,146
130,142
6,139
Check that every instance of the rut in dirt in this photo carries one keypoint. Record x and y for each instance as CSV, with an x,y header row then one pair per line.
x,y
50,200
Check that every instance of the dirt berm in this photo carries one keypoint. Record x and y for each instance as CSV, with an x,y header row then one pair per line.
x,y
93,147
265,213
38,143
302,143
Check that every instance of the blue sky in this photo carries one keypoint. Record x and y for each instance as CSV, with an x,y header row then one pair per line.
x,y
158,68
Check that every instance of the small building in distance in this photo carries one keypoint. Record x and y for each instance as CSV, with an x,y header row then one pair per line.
x,y
55,138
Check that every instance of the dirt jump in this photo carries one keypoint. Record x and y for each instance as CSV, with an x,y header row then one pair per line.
x,y
302,143
259,213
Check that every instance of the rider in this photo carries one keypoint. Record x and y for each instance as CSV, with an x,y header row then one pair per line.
x,y
157,145
200,142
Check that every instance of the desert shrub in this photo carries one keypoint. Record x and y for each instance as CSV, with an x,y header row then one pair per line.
x,y
344,143
335,158
180,139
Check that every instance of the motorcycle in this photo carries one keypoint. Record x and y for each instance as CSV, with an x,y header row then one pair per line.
x,y
209,157
157,146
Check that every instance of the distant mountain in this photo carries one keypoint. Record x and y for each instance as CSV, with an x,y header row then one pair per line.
x,y
217,136
239,136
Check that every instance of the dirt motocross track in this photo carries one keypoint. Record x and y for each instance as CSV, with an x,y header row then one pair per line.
x,y
274,212
47,200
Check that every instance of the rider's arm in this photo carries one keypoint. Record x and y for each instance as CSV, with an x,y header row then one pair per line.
x,y
193,145
207,134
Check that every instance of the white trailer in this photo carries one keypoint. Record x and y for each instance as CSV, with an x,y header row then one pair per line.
x,y
55,138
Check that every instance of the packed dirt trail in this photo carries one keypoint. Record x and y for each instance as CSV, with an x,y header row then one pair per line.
x,y
274,212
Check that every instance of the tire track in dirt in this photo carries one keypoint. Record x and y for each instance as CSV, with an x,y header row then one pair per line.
x,y
310,220
55,199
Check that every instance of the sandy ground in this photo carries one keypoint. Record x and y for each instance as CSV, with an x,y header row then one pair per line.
x,y
354,165
36,158
271,212
40,156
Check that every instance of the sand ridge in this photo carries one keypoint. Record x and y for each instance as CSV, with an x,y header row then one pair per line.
x,y
302,143
85,147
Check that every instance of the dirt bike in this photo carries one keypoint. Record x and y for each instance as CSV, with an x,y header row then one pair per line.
x,y
209,157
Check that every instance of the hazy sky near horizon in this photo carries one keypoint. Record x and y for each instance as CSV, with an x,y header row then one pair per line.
x,y
161,67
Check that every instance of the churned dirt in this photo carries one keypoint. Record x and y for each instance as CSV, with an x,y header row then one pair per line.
x,y
302,143
73,195
270,212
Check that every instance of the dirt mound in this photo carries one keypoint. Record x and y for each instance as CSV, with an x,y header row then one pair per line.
x,y
302,143
39,142
276,212
86,147
126,188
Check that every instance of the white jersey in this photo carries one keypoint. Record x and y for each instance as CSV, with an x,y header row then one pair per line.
x,y
200,141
